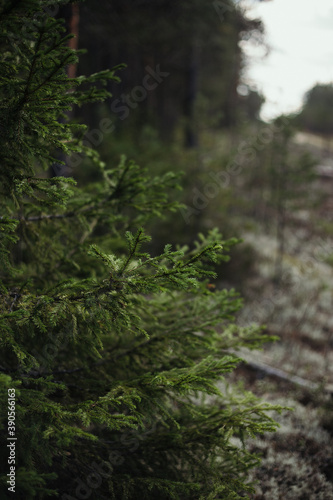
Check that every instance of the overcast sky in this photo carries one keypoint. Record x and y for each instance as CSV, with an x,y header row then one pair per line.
x,y
300,35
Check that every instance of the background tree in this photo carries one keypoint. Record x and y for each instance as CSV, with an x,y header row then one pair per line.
x,y
250,103
317,112
276,180
111,350
196,43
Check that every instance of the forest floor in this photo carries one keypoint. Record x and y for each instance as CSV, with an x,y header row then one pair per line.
x,y
297,369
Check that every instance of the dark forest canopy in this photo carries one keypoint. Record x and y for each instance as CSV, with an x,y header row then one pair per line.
x,y
195,46
317,112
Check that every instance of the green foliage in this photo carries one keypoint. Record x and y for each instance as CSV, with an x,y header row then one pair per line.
x,y
316,115
111,350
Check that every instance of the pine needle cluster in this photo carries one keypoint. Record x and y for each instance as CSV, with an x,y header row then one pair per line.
x,y
117,356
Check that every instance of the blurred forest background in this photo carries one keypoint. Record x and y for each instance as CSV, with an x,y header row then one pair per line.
x,y
183,104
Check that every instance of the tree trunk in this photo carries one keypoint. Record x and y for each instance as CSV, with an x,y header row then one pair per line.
x,y
191,87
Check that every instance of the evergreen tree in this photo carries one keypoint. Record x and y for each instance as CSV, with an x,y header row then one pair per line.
x,y
112,352
316,115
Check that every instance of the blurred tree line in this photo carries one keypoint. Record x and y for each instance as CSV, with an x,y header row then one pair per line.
x,y
183,61
181,85
317,113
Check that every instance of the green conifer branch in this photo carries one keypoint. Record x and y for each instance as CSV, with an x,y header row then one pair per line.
x,y
113,351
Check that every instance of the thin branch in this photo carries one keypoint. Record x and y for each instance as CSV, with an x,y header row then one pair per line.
x,y
33,64
16,296
98,363
62,63
72,213
49,216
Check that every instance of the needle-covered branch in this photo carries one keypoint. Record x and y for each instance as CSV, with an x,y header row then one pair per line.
x,y
118,355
